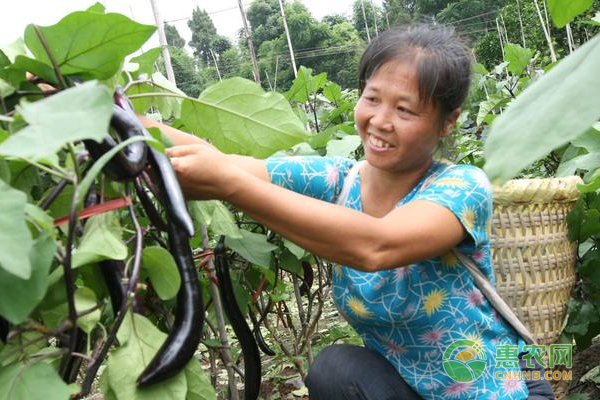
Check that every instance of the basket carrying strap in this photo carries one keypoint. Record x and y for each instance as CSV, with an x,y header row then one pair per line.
x,y
481,281
493,297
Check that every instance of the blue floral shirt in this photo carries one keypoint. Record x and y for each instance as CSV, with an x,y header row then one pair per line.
x,y
412,314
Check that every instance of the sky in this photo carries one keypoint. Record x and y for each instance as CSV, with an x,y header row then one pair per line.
x,y
224,13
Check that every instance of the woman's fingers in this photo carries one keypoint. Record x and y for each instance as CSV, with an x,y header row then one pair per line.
x,y
183,150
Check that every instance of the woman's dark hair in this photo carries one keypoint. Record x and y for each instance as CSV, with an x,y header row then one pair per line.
x,y
443,62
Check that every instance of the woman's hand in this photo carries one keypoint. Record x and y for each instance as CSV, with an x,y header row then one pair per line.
x,y
203,171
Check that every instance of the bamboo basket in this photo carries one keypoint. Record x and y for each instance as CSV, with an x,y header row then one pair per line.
x,y
534,260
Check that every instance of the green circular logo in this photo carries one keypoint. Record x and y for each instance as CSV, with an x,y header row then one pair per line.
x,y
464,361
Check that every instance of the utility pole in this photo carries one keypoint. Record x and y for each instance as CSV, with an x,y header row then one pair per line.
x,y
255,69
362,4
163,42
289,40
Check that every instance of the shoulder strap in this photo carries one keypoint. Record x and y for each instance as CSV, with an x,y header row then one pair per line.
x,y
348,182
494,298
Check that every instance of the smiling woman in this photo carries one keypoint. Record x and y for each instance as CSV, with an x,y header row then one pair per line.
x,y
390,222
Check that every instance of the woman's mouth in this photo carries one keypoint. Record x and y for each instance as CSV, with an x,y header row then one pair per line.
x,y
379,144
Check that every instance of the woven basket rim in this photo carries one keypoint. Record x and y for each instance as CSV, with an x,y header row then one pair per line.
x,y
538,191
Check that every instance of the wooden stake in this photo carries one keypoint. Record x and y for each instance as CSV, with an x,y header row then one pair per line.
x,y
289,40
163,42
546,32
255,70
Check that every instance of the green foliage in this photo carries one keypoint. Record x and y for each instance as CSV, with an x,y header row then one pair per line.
x,y
559,107
31,381
564,11
207,44
246,131
173,37
101,42
162,271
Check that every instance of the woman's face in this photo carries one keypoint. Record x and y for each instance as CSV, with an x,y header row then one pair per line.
x,y
399,133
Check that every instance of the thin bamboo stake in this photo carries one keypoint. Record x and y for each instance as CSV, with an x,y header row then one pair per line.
x,y
289,39
570,38
504,28
521,23
546,32
500,37
212,53
255,69
374,18
362,4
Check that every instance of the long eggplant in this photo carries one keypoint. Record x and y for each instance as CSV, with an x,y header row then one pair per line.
x,y
184,338
238,323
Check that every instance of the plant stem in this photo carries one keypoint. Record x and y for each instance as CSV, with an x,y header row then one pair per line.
x,y
59,75
96,362
71,150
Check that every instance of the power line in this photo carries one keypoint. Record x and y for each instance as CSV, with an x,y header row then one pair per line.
x,y
209,13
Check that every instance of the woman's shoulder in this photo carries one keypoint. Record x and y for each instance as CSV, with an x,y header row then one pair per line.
x,y
446,173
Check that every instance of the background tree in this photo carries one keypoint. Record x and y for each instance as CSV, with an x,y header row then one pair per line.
x,y
205,38
174,39
398,12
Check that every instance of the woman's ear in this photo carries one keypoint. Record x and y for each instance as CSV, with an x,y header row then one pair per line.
x,y
450,122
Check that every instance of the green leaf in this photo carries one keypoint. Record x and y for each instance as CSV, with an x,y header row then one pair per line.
x,y
97,8
575,217
592,185
6,89
253,247
127,362
39,217
85,298
21,296
146,61
101,240
495,101
162,271
560,106
15,238
564,11
4,61
81,112
517,57
12,50
590,225
36,67
296,250
343,147
581,319
223,221
21,347
167,106
216,215
239,117
198,384
333,92
99,46
589,161
290,263
29,382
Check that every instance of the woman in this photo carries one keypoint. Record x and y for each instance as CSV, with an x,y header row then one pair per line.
x,y
399,215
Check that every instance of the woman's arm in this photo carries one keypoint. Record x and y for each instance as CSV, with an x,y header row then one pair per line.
x,y
416,231
249,164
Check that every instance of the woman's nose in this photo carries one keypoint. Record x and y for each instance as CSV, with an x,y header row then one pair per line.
x,y
382,119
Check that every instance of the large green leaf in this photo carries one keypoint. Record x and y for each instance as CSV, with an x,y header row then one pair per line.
x,y
21,296
140,340
85,299
101,240
343,147
12,50
168,106
239,117
15,238
305,84
589,161
81,112
517,57
146,61
199,387
162,271
549,113
29,382
253,247
564,11
216,215
89,42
